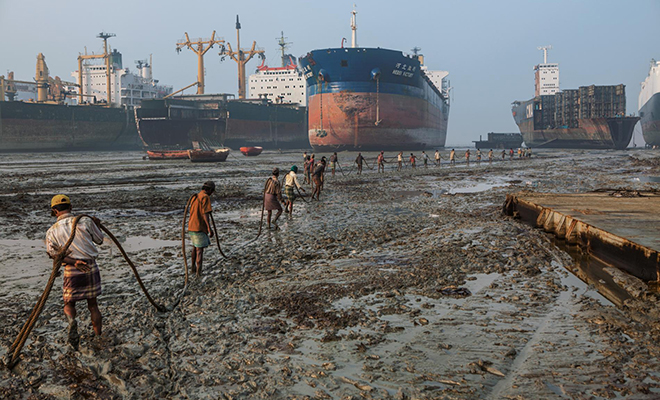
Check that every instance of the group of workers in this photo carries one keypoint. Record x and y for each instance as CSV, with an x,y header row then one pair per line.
x,y
82,279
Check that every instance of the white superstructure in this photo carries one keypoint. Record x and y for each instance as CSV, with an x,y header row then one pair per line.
x,y
546,75
651,84
279,84
128,89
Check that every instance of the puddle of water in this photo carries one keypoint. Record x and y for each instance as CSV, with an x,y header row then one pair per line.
x,y
138,243
653,179
479,187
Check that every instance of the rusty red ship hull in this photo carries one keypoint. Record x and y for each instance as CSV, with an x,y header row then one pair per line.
x,y
372,99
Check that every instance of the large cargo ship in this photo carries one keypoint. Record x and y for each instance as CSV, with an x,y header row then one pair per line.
x,y
49,124
591,117
273,120
649,105
217,120
363,98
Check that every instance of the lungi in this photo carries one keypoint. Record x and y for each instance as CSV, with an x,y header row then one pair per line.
x,y
200,239
271,202
289,193
80,285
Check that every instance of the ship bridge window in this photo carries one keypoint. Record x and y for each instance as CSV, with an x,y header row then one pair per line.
x,y
344,63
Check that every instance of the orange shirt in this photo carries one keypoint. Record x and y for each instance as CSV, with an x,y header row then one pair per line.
x,y
198,207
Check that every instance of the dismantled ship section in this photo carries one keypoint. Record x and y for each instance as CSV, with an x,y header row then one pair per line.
x,y
591,117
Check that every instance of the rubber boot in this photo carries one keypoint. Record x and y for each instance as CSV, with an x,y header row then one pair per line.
x,y
73,336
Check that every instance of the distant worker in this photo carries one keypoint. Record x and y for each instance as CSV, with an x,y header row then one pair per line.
x,y
290,185
199,227
529,152
519,152
413,160
503,154
82,280
490,156
305,168
511,154
478,156
400,161
304,157
452,157
333,162
425,158
273,197
380,160
359,160
467,157
437,158
317,177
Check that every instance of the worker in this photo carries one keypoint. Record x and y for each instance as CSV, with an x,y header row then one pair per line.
x,y
425,158
82,280
359,160
305,166
503,154
380,160
304,156
490,156
400,160
310,168
478,156
273,197
437,158
333,162
467,157
452,157
413,160
529,153
290,184
511,154
199,226
317,176
519,152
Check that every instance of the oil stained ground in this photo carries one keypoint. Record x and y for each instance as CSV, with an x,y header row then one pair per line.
x,y
406,285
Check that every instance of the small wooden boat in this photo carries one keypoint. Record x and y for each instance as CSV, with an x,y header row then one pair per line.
x,y
216,155
167,154
251,151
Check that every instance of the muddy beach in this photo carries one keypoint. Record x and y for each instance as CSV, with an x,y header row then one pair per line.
x,y
408,285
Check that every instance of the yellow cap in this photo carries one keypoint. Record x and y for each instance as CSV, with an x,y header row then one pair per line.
x,y
59,199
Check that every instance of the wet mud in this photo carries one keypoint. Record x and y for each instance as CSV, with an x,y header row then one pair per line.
x,y
408,285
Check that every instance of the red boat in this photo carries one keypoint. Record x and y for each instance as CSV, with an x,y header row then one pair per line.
x,y
167,154
208,155
251,151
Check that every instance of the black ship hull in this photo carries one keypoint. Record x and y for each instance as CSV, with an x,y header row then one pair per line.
x,y
215,121
29,127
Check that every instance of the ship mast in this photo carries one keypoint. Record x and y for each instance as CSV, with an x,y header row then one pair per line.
x,y
106,56
198,48
354,28
241,57
545,52
283,46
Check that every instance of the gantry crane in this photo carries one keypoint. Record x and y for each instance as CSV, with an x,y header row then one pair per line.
x,y
198,48
241,57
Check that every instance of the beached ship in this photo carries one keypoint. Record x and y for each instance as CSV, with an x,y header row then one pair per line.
x,y
499,141
53,115
649,105
590,117
363,98
272,120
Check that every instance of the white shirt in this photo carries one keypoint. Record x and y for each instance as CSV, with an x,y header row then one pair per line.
x,y
291,179
82,247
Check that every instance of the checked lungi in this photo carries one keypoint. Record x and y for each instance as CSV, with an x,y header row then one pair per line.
x,y
80,285
289,193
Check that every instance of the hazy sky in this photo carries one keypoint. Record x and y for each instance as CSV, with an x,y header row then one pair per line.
x,y
489,47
